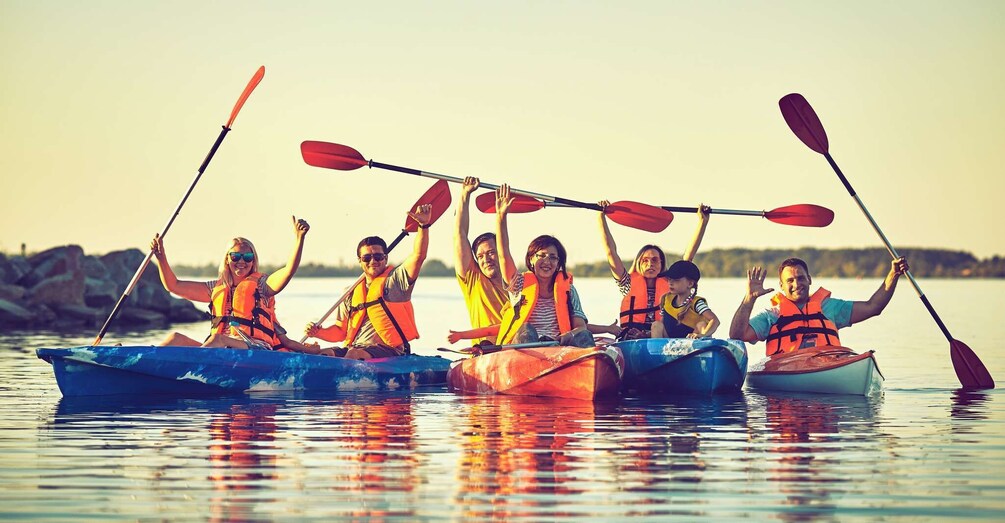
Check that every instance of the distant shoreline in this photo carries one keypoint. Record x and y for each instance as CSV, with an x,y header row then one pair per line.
x,y
731,263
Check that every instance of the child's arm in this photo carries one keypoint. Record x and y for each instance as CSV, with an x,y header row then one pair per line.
x,y
612,329
711,323
692,249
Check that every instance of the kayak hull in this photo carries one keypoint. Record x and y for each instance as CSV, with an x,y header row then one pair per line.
x,y
822,370
97,371
699,366
558,372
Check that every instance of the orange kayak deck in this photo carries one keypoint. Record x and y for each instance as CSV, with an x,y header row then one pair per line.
x,y
559,372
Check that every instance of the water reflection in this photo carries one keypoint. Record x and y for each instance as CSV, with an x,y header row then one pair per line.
x,y
520,456
819,441
970,405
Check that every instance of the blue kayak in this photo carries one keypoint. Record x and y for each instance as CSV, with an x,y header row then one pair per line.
x,y
699,366
96,371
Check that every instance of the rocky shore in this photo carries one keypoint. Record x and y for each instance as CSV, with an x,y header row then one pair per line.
x,y
62,288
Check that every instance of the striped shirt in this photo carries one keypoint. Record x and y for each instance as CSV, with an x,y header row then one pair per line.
x,y
543,317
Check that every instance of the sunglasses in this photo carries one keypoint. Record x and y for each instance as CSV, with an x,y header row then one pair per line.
x,y
237,256
375,257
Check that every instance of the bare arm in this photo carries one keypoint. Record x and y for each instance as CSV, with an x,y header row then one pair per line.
x,y
506,263
481,332
334,333
190,290
692,248
610,248
740,328
462,249
413,264
863,310
278,280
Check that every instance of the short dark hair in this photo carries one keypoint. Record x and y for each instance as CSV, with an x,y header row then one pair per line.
x,y
543,242
371,240
482,238
792,262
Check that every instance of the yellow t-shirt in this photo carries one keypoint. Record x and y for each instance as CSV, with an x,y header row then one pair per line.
x,y
484,300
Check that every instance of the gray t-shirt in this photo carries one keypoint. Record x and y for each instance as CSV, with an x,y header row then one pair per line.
x,y
397,289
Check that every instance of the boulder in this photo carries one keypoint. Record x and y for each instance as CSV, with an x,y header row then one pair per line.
x,y
44,316
86,315
11,292
184,311
94,268
121,265
65,288
141,317
100,292
13,269
53,262
15,315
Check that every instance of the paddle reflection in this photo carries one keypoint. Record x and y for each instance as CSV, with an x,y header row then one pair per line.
x,y
240,457
816,437
521,455
969,405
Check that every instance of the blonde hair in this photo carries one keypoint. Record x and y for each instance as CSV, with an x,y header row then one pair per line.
x,y
224,270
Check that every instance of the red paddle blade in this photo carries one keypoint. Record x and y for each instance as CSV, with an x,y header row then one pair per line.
x,y
486,202
244,96
331,156
804,122
802,215
969,368
438,196
639,216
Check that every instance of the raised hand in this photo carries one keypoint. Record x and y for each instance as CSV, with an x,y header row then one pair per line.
x,y
704,212
470,184
423,214
899,267
300,227
755,283
503,199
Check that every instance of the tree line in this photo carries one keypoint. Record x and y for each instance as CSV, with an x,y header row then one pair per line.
x,y
733,263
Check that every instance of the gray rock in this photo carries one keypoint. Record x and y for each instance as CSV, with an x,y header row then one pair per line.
x,y
15,315
87,315
53,262
100,292
94,268
184,311
143,317
66,288
11,292
44,316
13,268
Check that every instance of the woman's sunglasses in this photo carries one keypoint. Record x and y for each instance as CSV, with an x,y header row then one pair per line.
x,y
237,256
376,257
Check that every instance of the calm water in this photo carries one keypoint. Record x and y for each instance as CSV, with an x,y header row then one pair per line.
x,y
923,450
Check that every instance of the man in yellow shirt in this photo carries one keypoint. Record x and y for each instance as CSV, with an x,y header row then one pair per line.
x,y
477,267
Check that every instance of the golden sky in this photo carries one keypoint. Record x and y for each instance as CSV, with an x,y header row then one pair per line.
x,y
109,107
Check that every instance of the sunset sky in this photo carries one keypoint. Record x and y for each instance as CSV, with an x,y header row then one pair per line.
x,y
109,107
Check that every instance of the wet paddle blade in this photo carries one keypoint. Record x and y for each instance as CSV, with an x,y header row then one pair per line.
x,y
969,368
244,96
438,196
804,122
802,215
486,203
639,216
331,156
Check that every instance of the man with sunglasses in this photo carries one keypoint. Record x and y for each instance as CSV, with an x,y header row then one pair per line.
x,y
378,321
477,267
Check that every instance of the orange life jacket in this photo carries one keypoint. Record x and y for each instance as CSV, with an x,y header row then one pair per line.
x,y
514,317
634,306
255,315
795,325
394,322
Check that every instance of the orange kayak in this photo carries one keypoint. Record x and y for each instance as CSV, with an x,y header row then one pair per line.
x,y
828,370
559,372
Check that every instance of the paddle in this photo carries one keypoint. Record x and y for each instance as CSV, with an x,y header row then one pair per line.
x,y
802,215
438,196
146,261
489,348
807,127
344,158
